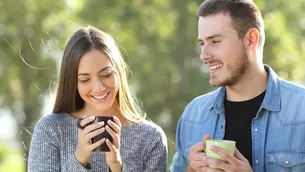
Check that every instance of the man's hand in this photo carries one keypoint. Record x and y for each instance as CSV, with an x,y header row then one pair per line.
x,y
199,162
197,155
234,163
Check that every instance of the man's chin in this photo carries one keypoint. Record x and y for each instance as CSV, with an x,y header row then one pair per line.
x,y
215,83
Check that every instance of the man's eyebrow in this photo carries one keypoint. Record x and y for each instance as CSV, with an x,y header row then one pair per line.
x,y
210,37
103,69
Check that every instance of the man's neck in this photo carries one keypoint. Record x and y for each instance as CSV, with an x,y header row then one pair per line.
x,y
251,85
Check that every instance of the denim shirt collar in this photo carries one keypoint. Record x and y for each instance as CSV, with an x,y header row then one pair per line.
x,y
271,102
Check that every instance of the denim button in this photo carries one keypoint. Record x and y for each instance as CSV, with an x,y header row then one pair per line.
x,y
256,161
256,129
286,162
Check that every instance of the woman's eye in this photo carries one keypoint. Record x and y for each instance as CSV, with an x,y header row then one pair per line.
x,y
108,74
84,80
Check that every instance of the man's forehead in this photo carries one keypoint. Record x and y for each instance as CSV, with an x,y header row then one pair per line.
x,y
218,24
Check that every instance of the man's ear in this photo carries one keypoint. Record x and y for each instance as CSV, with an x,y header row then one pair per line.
x,y
251,39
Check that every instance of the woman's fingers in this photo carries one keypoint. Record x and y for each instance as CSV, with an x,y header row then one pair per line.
x,y
115,136
117,121
93,127
114,126
111,146
97,144
83,122
93,134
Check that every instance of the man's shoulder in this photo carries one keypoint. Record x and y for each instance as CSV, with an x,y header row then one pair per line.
x,y
293,88
203,100
200,104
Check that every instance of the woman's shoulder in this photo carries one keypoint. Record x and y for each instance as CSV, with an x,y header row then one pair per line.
x,y
50,121
145,128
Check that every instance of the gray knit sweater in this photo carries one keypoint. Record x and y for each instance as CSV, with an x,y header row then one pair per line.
x,y
143,147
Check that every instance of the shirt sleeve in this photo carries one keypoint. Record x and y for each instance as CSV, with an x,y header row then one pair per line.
x,y
73,165
158,156
179,164
44,153
180,161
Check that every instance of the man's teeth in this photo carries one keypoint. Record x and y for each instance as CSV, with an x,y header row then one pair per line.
x,y
100,97
215,67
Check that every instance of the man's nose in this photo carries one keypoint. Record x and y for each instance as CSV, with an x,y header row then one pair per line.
x,y
205,54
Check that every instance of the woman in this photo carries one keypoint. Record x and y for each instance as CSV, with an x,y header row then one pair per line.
x,y
93,82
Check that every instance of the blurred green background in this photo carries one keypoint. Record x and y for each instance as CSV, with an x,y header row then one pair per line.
x,y
158,39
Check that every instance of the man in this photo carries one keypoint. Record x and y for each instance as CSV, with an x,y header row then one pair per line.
x,y
263,113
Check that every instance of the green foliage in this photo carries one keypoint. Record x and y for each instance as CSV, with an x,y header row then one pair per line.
x,y
3,152
11,160
160,38
27,68
285,31
157,38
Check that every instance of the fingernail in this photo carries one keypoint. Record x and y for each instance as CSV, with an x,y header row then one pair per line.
x,y
92,117
212,147
101,123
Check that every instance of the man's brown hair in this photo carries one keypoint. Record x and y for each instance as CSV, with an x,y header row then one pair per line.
x,y
244,14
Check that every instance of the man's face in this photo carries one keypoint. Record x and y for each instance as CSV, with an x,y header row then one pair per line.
x,y
222,50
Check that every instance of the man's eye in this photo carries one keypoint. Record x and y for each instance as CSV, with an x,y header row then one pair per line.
x,y
215,41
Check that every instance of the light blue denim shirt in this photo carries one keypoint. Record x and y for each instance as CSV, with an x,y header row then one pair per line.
x,y
278,130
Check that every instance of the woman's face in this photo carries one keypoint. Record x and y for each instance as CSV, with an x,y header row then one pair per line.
x,y
97,82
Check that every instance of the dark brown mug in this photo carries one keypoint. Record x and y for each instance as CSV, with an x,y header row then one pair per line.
x,y
105,134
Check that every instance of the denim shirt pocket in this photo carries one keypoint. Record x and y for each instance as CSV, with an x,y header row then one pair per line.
x,y
284,161
193,132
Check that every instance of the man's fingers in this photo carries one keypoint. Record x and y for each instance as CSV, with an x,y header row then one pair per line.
x,y
198,164
233,160
239,156
222,166
197,156
199,147
208,169
206,137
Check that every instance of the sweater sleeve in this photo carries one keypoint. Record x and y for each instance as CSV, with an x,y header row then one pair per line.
x,y
158,155
44,153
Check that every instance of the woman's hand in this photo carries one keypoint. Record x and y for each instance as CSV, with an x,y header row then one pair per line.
x,y
113,157
84,147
